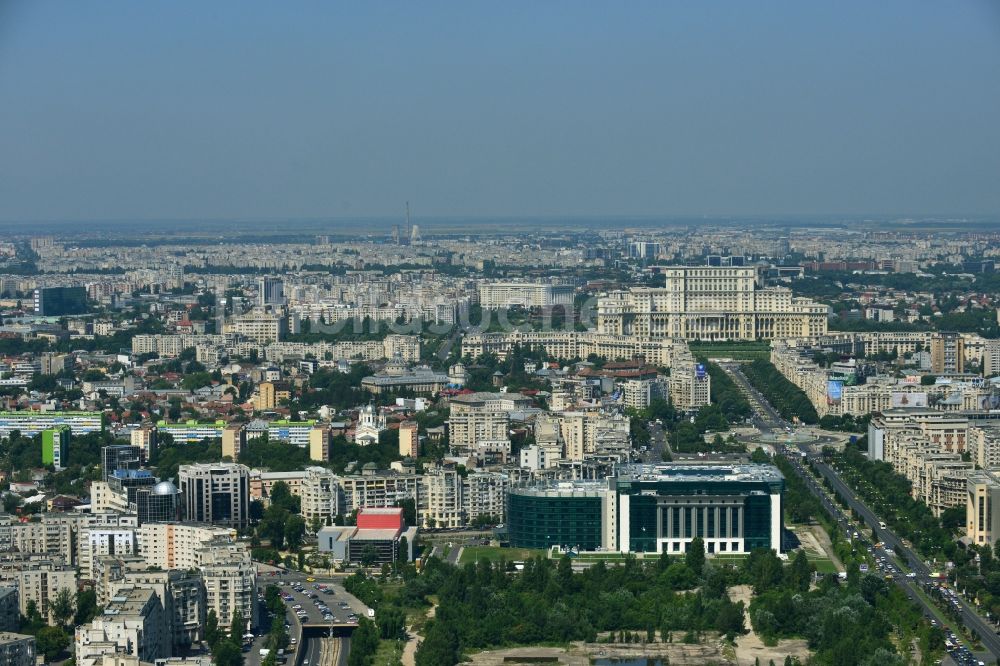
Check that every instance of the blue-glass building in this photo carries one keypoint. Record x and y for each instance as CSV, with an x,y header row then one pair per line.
x,y
654,508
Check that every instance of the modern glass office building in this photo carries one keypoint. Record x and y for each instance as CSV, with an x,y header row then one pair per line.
x,y
654,508
58,301
158,504
567,514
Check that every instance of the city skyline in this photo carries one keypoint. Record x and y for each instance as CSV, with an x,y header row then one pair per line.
x,y
427,334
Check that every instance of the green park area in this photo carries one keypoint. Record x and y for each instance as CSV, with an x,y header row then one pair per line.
x,y
495,554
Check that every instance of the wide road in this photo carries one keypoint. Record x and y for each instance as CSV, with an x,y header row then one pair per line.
x,y
971,619
768,420
326,590
657,445
344,608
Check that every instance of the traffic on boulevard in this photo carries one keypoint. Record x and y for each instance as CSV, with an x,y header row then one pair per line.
x,y
888,554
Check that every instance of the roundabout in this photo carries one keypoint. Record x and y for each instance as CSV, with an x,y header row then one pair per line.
x,y
796,437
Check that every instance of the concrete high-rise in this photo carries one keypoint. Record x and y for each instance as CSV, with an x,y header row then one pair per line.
x,y
234,440
146,438
217,493
319,443
55,446
271,291
409,440
982,509
947,354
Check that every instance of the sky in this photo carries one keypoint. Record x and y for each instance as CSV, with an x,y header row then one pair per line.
x,y
194,110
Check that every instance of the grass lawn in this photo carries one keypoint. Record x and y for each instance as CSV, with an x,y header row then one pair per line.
x,y
493,554
390,653
824,565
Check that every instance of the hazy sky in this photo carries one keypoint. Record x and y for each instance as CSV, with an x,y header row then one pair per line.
x,y
174,109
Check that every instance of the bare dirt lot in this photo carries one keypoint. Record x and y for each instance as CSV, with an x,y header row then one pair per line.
x,y
750,647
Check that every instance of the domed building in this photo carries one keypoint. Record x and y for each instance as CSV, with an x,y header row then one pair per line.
x,y
371,422
159,503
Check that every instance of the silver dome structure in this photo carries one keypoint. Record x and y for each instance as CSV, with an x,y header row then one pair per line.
x,y
165,488
159,503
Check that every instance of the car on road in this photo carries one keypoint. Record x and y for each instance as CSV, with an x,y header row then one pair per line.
x,y
310,580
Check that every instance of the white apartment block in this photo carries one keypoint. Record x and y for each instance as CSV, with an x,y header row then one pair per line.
x,y
404,347
104,499
485,494
689,382
886,432
534,458
97,542
991,358
182,594
440,501
41,583
638,394
378,489
502,295
482,416
259,326
133,623
984,445
549,441
925,446
938,478
46,537
582,432
231,584
982,509
170,346
710,303
178,545
320,495
107,533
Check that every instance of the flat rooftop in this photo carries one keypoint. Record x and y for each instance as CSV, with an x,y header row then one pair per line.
x,y
742,472
484,396
382,511
369,534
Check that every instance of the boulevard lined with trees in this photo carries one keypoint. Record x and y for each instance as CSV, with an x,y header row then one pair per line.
x,y
786,397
